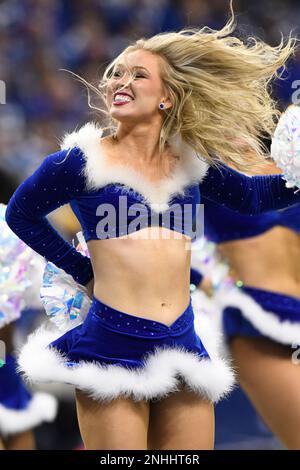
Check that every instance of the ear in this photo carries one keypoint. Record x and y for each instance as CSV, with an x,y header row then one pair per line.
x,y
168,103
166,99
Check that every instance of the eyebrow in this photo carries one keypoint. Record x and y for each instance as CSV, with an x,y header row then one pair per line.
x,y
134,67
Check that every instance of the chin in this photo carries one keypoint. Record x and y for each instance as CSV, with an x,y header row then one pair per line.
x,y
125,117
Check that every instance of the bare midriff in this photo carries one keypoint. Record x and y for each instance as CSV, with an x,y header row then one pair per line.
x,y
270,261
145,273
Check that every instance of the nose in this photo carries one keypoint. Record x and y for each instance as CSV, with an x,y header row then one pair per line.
x,y
120,82
119,86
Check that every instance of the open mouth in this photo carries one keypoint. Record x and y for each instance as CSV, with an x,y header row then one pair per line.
x,y
120,99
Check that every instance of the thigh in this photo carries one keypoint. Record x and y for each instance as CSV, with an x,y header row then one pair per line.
x,y
182,420
21,441
271,380
121,423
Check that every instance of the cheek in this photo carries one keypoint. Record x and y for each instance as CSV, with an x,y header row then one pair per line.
x,y
109,91
108,95
148,92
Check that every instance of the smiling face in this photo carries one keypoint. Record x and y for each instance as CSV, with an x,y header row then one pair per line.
x,y
146,89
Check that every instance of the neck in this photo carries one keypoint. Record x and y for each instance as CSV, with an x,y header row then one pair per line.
x,y
141,144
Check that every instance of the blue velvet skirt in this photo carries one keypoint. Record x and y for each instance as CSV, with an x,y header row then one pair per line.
x,y
115,353
113,337
13,392
259,313
21,410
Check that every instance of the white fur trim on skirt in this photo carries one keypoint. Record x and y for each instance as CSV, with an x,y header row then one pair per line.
x,y
42,407
266,322
211,378
209,320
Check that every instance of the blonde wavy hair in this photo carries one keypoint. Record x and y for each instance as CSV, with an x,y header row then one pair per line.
x,y
220,90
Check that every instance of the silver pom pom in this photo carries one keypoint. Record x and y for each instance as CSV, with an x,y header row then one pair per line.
x,y
285,147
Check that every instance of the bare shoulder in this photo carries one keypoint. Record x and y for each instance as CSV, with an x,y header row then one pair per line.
x,y
110,148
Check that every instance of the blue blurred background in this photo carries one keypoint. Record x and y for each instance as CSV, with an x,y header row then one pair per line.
x,y
39,37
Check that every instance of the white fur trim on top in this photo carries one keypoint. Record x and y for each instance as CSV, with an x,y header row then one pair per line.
x,y
42,407
190,168
266,322
212,379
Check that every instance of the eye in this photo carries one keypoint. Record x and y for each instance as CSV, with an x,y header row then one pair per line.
x,y
117,74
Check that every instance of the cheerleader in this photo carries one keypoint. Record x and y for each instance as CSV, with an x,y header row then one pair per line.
x,y
261,312
137,361
261,306
20,409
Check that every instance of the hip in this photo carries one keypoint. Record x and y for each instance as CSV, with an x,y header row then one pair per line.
x,y
150,301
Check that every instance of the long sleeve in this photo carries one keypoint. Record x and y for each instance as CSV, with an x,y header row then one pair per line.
x,y
247,194
55,182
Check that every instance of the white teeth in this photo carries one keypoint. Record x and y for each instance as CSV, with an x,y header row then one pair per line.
x,y
122,98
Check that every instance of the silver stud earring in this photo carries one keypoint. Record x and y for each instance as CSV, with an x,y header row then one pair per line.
x,y
161,105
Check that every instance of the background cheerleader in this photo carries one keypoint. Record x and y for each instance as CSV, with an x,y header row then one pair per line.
x,y
21,275
261,311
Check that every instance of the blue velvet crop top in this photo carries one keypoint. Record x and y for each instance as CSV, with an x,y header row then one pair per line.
x,y
116,210
77,174
222,224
